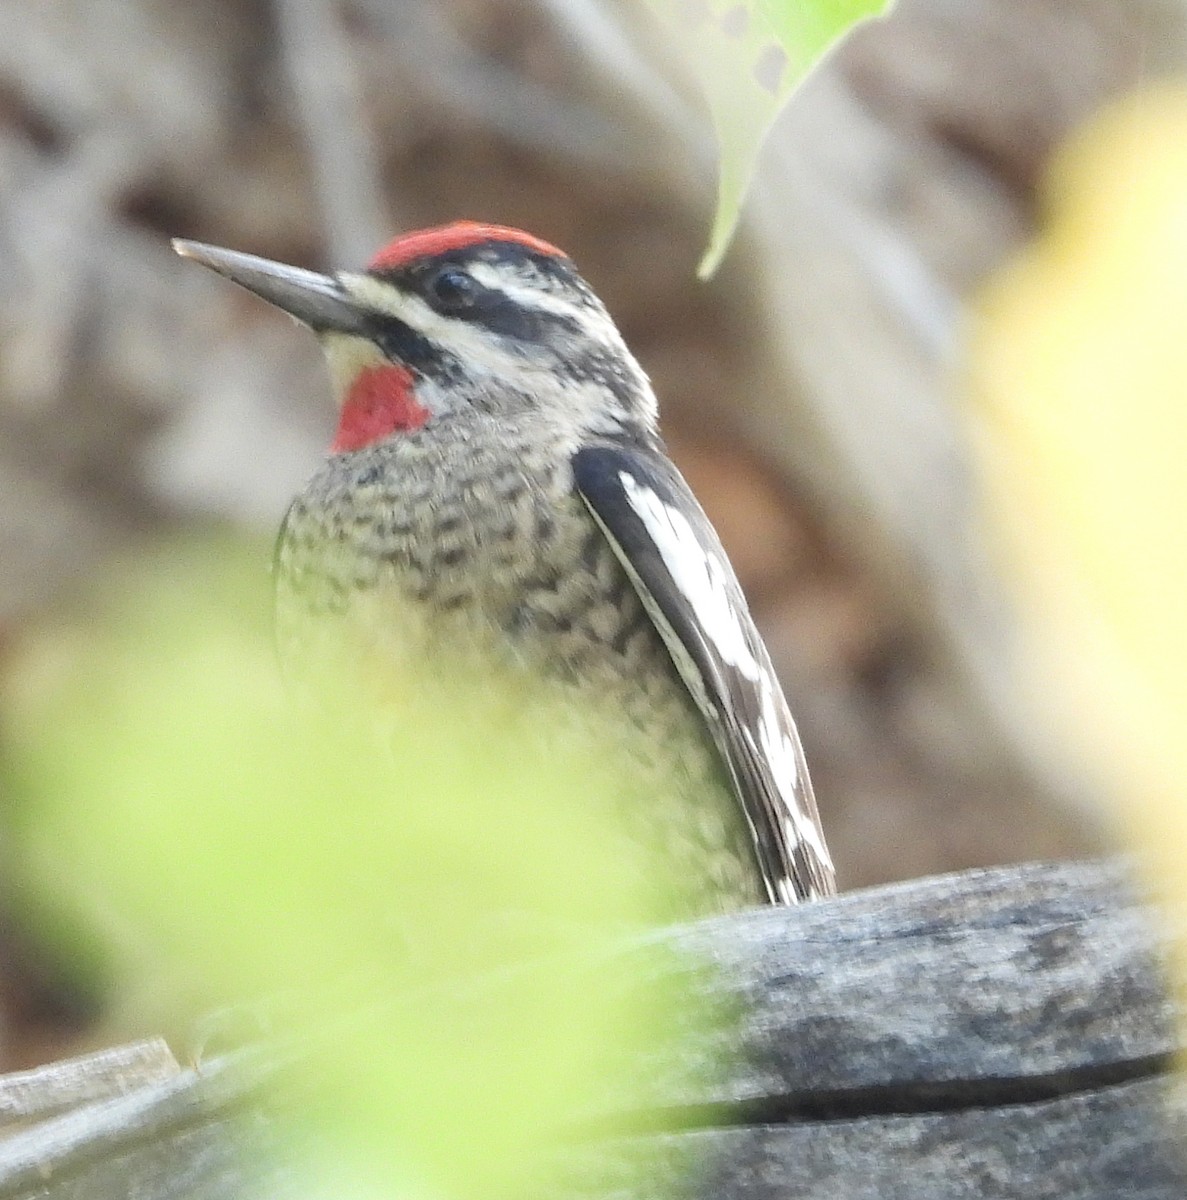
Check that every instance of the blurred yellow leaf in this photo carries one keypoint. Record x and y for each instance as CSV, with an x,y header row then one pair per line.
x,y
1080,360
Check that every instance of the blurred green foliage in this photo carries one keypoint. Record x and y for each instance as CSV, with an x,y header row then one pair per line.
x,y
424,902
749,56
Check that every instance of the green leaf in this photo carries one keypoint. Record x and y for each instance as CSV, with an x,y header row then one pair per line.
x,y
749,56
433,882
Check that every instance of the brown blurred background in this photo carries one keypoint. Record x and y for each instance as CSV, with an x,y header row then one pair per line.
x,y
812,392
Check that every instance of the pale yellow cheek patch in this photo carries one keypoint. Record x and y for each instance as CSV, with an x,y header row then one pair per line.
x,y
346,356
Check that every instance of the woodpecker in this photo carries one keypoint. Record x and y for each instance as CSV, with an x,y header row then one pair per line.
x,y
497,483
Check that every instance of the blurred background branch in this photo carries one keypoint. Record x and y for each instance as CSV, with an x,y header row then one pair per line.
x,y
338,137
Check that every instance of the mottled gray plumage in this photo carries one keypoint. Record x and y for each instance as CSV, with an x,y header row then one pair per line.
x,y
432,556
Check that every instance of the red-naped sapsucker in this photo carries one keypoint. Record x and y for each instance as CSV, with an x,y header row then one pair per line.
x,y
497,496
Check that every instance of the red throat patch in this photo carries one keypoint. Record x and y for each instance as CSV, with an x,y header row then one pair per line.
x,y
380,402
427,243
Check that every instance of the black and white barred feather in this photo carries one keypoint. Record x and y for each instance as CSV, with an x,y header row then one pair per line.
x,y
678,566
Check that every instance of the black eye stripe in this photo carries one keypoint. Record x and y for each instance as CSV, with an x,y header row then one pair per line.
x,y
494,310
512,319
403,344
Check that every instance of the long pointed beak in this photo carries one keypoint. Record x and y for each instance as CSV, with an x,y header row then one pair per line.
x,y
319,301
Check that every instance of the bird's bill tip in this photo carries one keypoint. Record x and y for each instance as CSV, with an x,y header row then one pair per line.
x,y
319,301
188,249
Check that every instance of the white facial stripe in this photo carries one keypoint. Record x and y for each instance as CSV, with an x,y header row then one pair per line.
x,y
592,318
595,323
697,571
522,292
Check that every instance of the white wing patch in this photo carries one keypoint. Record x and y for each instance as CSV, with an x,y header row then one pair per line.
x,y
698,572
780,749
682,570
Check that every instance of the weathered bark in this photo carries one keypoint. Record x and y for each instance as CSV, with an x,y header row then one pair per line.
x,y
992,1034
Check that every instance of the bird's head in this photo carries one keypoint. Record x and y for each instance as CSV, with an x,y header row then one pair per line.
x,y
464,316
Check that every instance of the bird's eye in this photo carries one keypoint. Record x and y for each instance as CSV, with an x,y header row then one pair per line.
x,y
454,289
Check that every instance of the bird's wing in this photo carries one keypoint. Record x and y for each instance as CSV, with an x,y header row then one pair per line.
x,y
679,568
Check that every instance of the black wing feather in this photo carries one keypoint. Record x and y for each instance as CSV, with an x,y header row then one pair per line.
x,y
744,709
